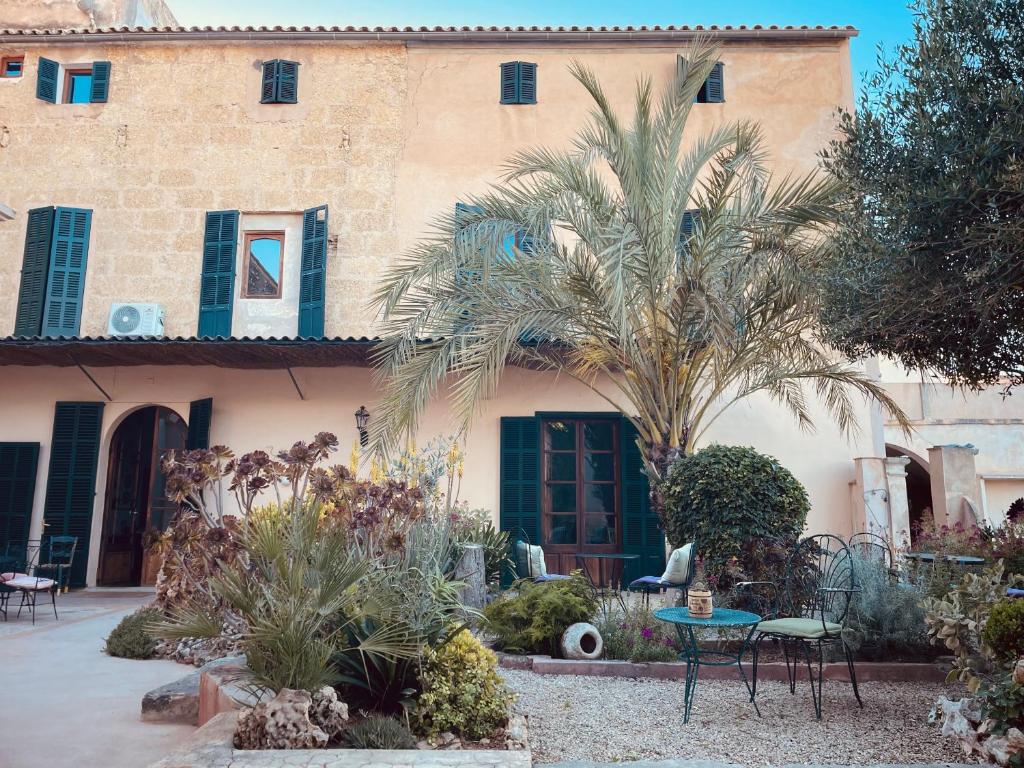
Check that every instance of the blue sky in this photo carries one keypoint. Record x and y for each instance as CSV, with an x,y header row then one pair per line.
x,y
884,22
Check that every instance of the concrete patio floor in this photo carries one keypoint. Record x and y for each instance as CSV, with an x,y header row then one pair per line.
x,y
69,705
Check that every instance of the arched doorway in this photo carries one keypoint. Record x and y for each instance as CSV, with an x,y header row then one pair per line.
x,y
919,489
135,505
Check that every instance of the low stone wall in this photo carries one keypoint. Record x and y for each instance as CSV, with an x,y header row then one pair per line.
x,y
867,671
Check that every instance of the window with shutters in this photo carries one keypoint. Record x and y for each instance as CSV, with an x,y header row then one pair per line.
x,y
87,83
12,66
264,265
518,82
280,83
713,89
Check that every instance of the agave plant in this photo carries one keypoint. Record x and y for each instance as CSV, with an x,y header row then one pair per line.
x,y
665,275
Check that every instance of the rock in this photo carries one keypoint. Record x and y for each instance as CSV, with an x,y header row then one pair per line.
x,y
1001,749
423,744
582,641
485,742
1018,672
176,702
281,723
516,731
447,738
326,711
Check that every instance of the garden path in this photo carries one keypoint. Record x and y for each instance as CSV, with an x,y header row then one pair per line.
x,y
69,705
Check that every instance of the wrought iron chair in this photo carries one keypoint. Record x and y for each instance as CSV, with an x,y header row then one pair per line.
x,y
809,613
528,564
648,585
29,585
872,547
56,558
13,563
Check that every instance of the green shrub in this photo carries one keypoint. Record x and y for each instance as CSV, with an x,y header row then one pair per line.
x,y
726,498
886,619
1004,630
461,691
533,620
637,636
379,732
1002,702
131,638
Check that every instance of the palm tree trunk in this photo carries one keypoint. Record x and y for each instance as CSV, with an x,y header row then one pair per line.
x,y
659,457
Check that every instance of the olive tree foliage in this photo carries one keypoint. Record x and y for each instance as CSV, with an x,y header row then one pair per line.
x,y
928,263
578,263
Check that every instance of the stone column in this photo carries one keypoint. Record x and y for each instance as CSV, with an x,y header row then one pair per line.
x,y
955,485
899,506
870,496
470,571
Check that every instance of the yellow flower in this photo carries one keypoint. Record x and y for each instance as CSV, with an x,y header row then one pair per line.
x,y
353,459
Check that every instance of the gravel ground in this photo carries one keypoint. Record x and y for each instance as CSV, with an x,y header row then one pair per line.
x,y
615,719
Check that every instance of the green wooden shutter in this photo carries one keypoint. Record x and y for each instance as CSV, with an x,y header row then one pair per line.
x,y
216,291
641,533
287,82
35,267
519,499
46,80
715,85
688,225
18,465
200,415
65,283
527,82
509,82
314,272
100,82
71,480
268,89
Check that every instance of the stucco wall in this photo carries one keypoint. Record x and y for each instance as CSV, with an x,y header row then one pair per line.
x,y
261,409
83,14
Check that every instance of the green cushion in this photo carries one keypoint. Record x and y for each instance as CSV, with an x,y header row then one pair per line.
x,y
809,628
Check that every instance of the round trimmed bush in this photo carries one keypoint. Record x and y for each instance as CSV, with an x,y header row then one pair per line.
x,y
131,638
729,498
1004,630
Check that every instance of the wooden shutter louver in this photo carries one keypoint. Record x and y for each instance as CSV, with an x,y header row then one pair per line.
x,y
509,79
688,225
200,417
18,467
268,88
313,272
518,82
519,497
46,80
71,479
715,85
641,532
527,82
287,82
100,82
65,283
216,292
35,268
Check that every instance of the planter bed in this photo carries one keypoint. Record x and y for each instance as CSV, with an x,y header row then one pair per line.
x,y
867,671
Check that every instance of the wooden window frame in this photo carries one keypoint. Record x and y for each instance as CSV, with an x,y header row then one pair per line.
x,y
5,60
579,422
262,235
69,72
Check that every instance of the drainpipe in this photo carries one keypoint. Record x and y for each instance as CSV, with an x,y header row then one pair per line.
x,y
6,212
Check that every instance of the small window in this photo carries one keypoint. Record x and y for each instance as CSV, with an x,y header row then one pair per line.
x,y
280,82
518,82
264,261
77,86
12,66
713,89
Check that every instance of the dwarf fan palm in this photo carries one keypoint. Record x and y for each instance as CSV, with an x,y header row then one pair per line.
x,y
665,275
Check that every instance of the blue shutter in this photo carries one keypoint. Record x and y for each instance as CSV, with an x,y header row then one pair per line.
x,y
46,80
200,416
688,225
287,82
641,532
100,82
715,85
35,267
527,82
65,283
18,465
510,82
268,88
314,272
71,480
216,292
519,500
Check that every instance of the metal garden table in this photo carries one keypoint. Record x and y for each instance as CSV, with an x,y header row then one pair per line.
x,y
695,656
929,557
609,582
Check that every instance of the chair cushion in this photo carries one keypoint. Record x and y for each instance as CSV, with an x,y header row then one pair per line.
x,y
9,575
799,627
537,565
677,570
551,577
649,582
29,583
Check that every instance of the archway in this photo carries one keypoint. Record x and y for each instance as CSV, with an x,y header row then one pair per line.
x,y
919,489
135,506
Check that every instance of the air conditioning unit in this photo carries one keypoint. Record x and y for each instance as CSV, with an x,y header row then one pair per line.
x,y
134,319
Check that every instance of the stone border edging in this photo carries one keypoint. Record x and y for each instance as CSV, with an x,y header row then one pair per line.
x,y
867,671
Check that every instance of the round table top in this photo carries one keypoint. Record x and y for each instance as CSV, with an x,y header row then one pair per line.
x,y
930,556
608,555
720,617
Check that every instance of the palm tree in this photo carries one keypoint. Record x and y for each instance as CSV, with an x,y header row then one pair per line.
x,y
669,279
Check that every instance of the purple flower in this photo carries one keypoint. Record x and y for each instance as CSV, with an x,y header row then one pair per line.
x,y
647,632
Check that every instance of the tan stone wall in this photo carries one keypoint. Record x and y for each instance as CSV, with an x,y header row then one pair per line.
x,y
83,14
389,137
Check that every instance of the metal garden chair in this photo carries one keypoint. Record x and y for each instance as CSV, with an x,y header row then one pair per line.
x,y
29,585
809,612
529,560
872,547
56,558
648,585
